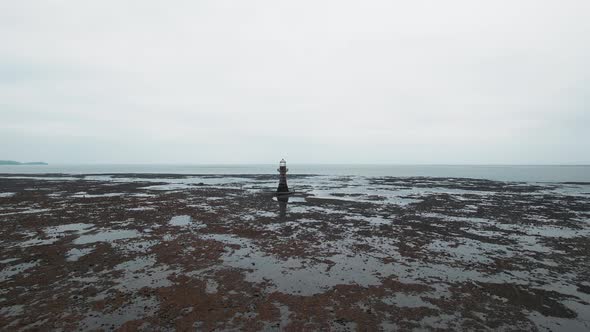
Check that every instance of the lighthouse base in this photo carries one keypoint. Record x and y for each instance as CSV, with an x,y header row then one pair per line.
x,y
283,188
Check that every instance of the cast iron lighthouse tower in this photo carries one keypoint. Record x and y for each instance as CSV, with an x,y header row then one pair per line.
x,y
283,188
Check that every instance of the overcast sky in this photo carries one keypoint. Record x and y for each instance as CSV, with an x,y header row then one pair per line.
x,y
312,81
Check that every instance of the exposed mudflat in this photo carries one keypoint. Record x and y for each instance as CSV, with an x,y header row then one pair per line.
x,y
184,252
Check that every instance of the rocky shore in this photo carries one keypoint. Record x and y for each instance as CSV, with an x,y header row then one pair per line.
x,y
184,252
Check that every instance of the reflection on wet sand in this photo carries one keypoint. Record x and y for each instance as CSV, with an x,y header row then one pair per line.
x,y
283,202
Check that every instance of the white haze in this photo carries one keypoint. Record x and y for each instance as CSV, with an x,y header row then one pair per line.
x,y
312,81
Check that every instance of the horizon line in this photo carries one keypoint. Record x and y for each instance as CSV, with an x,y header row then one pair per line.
x,y
309,163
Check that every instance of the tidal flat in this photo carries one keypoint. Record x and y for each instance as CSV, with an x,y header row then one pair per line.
x,y
219,252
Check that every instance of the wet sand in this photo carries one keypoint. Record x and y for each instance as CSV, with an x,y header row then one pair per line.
x,y
184,252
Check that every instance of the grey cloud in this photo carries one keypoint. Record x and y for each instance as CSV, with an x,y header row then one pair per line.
x,y
338,81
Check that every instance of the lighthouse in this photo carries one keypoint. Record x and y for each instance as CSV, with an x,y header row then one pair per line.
x,y
283,188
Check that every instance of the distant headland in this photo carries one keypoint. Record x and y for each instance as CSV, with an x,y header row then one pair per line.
x,y
12,162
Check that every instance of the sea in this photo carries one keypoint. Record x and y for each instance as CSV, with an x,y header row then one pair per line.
x,y
518,173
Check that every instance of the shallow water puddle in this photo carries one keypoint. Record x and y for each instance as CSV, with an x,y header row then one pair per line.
x,y
143,272
74,254
12,270
54,231
27,211
180,220
142,208
86,195
303,276
108,235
